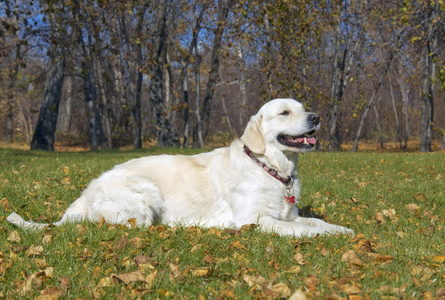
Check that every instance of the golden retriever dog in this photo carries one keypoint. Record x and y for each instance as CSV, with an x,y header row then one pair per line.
x,y
251,181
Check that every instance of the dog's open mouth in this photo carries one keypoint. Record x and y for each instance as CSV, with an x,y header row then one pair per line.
x,y
302,141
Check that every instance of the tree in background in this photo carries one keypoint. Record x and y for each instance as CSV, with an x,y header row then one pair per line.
x,y
190,69
43,138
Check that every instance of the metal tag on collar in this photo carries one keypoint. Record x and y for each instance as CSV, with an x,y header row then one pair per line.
x,y
289,197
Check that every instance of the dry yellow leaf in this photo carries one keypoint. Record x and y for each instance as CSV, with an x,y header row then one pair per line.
x,y
135,242
34,250
105,282
439,259
200,272
282,289
196,248
133,222
14,237
150,278
66,170
298,295
311,283
47,239
351,258
351,289
379,218
294,270
299,258
440,294
412,207
253,280
128,278
175,273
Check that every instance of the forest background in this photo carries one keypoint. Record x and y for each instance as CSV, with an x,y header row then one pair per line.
x,y
108,74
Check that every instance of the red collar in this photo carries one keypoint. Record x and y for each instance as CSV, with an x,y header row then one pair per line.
x,y
287,181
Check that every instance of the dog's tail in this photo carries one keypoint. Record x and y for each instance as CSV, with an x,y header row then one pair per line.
x,y
19,222
75,213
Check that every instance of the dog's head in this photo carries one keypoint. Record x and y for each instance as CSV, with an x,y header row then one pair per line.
x,y
284,124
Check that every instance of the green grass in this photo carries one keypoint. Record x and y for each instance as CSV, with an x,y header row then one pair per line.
x,y
398,250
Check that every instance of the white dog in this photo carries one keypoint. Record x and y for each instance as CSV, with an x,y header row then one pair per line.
x,y
252,181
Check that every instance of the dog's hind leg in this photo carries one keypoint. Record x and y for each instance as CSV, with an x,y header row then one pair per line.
x,y
119,199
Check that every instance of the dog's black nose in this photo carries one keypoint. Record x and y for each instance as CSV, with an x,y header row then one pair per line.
x,y
314,119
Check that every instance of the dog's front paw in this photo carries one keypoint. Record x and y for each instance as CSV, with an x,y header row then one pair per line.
x,y
343,230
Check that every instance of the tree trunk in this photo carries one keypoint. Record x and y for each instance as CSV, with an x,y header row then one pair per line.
x,y
9,116
43,138
370,102
442,146
223,11
198,128
396,117
377,123
66,109
336,94
165,134
185,92
105,103
404,89
242,85
429,77
268,47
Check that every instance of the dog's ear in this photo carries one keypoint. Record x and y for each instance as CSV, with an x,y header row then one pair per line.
x,y
253,135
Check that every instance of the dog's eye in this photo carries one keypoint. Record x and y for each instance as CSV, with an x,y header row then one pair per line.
x,y
285,113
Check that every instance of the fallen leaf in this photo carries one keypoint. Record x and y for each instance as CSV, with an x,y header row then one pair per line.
x,y
298,295
379,218
139,292
196,248
381,257
351,289
200,272
175,273
135,242
142,260
412,207
422,271
150,278
282,289
122,243
352,259
440,294
389,213
2,265
253,280
128,278
294,270
238,245
133,222
401,234
49,272
101,223
41,263
105,282
311,283
47,239
34,250
4,203
14,237
208,259
439,259
299,258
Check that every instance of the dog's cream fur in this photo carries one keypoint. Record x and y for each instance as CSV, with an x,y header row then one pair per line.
x,y
224,188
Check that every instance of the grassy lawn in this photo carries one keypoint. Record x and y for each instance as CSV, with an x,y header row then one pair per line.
x,y
394,202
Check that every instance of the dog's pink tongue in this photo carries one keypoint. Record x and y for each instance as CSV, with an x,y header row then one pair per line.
x,y
311,140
